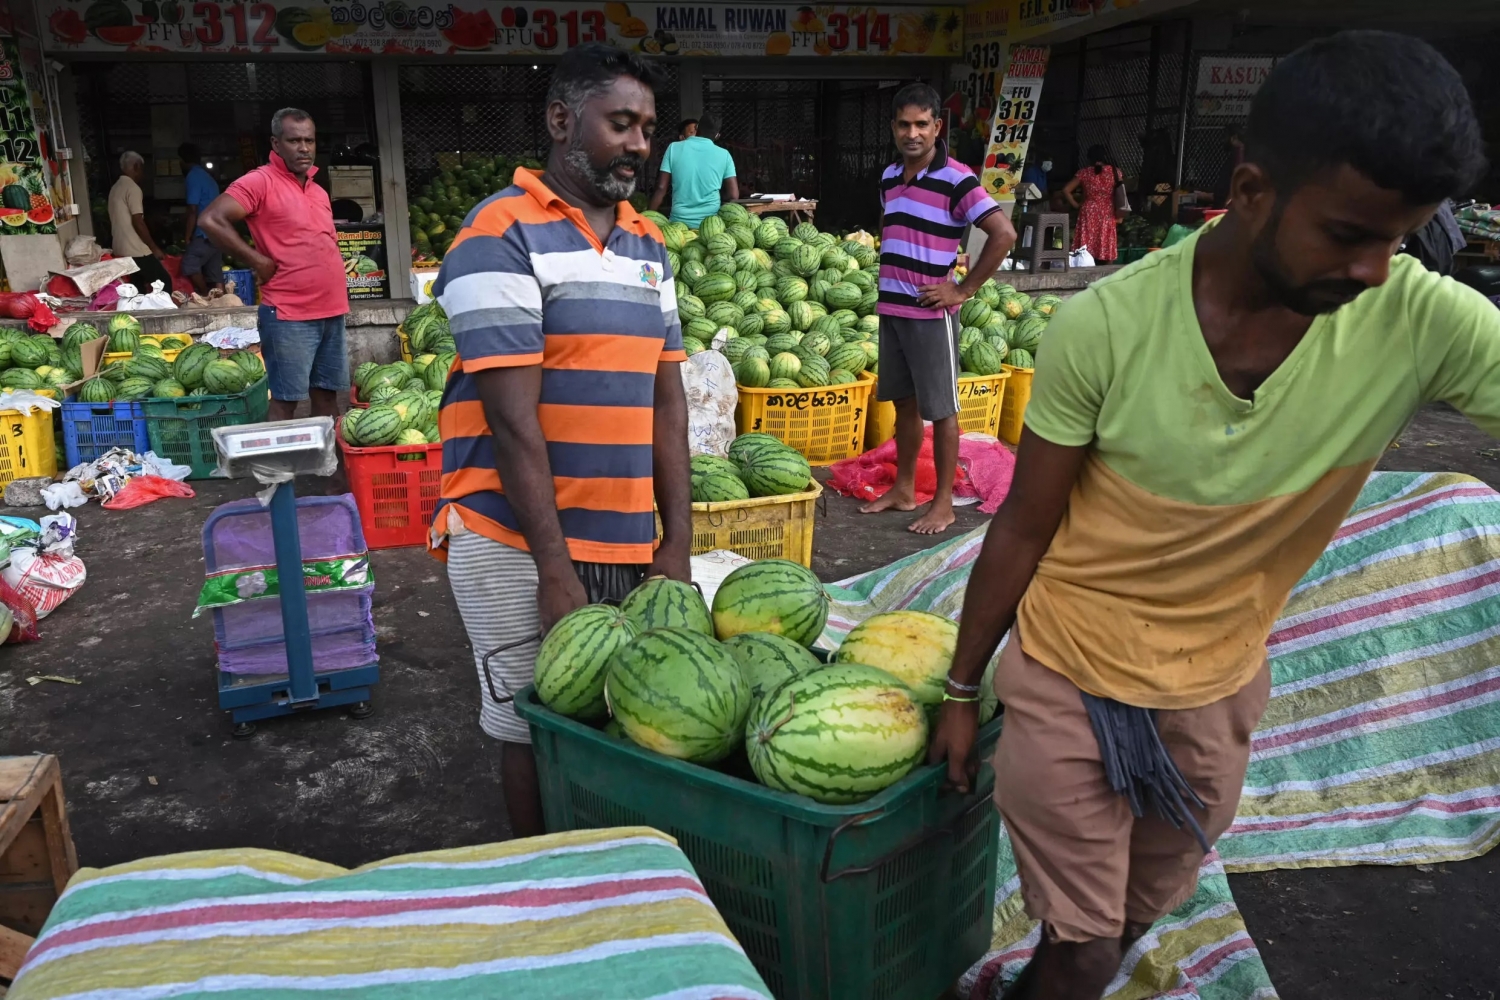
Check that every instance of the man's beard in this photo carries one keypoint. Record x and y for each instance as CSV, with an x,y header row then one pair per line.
x,y
602,180
1312,299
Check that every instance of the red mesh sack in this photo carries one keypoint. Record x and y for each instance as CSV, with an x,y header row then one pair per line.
x,y
24,628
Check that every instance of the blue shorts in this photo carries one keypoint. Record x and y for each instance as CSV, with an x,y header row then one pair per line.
x,y
303,354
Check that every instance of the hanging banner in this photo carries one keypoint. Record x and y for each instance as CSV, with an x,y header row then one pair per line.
x,y
1226,84
1015,115
25,177
394,27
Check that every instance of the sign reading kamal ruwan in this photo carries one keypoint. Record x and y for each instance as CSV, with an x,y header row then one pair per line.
x,y
393,27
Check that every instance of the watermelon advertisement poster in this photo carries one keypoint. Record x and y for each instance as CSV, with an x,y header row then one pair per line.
x,y
394,27
25,204
363,251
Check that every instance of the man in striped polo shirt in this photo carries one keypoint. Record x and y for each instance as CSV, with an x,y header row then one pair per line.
x,y
564,413
928,200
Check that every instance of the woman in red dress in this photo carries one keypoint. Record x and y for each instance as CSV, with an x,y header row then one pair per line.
x,y
1096,216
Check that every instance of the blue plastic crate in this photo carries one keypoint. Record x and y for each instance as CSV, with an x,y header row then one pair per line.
x,y
91,429
244,284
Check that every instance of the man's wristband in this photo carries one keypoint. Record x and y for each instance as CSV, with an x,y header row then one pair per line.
x,y
962,701
965,688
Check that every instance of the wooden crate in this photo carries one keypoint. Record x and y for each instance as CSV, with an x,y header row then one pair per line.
x,y
36,852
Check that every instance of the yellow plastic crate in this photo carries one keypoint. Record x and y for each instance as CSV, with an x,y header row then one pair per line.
x,y
169,354
826,425
27,445
406,354
759,528
1013,406
980,403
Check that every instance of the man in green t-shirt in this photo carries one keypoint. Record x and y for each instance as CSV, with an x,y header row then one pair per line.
x,y
1200,424
699,175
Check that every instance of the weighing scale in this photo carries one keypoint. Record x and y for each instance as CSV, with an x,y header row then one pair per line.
x,y
274,453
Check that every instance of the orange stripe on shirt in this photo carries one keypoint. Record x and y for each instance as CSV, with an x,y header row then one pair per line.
x,y
602,352
470,480
629,495
462,419
596,424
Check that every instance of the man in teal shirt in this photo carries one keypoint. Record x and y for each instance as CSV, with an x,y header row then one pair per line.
x,y
698,174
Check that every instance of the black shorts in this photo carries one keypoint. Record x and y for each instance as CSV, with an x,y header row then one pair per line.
x,y
919,357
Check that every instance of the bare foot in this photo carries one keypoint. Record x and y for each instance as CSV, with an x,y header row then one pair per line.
x,y
895,499
933,522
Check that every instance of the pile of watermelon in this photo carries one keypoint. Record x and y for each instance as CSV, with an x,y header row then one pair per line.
x,y
426,329
789,308
404,398
1000,325
758,465
739,682
197,370
36,361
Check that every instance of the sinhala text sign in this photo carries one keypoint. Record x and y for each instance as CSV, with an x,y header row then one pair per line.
x,y
393,27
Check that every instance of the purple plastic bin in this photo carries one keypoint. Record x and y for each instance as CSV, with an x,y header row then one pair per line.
x,y
249,636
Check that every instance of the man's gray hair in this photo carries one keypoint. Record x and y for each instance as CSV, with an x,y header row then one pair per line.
x,y
287,114
129,159
590,69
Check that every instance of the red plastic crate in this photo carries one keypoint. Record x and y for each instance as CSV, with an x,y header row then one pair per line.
x,y
396,488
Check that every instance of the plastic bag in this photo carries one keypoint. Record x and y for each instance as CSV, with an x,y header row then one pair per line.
x,y
25,305
22,613
145,489
132,301
60,495
1081,258
708,382
44,580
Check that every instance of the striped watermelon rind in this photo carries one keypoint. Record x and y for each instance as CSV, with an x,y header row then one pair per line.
x,y
660,602
778,472
837,735
915,647
573,659
768,660
680,694
773,595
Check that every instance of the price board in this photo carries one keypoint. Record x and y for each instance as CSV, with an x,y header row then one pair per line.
x,y
1014,119
395,27
25,178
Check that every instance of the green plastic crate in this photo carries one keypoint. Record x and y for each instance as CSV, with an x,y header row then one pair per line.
x,y
889,899
181,429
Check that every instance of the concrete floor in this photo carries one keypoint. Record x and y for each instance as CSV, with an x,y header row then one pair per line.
x,y
150,767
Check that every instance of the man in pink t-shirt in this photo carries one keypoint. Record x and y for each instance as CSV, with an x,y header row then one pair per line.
x,y
303,292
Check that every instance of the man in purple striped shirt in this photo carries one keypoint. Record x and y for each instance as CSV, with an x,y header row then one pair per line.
x,y
928,200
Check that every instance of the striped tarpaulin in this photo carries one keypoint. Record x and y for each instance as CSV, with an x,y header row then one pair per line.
x,y
524,919
1381,743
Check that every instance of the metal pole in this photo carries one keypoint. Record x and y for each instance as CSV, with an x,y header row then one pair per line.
x,y
294,627
1184,94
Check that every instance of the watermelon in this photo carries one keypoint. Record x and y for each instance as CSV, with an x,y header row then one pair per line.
x,y
848,357
146,366
772,595
746,443
189,365
805,231
734,349
1014,304
789,290
801,314
689,306
989,293
571,663
724,314
734,214
768,659
752,373
974,312
783,383
916,647
383,394
436,375
836,735
1028,334
785,365
814,372
96,390
817,342
378,426
1047,304
805,260
28,354
715,288
718,488
722,264
123,324
20,378
680,693
843,296
223,377
703,328
769,473
167,388
775,321
710,227
750,325
983,359
251,365
133,387
663,603
79,334
1020,358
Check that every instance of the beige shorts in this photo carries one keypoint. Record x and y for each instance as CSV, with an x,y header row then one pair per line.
x,y
1087,865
